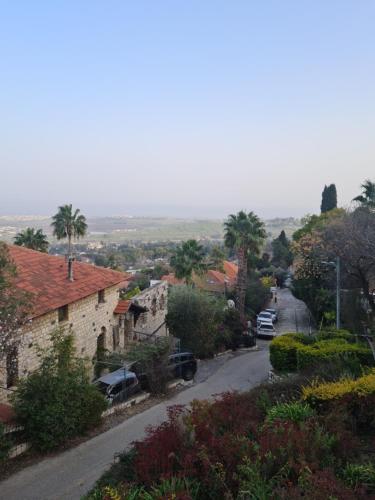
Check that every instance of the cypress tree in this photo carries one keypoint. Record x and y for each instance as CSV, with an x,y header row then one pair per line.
x,y
329,198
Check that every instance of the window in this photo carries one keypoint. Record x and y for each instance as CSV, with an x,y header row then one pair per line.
x,y
115,337
101,296
12,367
63,313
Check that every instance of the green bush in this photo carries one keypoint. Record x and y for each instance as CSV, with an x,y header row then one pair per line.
x,y
296,352
324,351
283,351
357,475
333,333
5,444
294,411
57,401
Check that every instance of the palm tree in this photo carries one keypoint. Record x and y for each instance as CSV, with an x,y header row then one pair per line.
x,y
187,259
244,233
31,238
367,198
69,224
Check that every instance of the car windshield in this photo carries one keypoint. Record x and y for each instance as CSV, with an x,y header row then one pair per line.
x,y
265,314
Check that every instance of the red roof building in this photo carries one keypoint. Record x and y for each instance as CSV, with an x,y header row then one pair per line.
x,y
46,278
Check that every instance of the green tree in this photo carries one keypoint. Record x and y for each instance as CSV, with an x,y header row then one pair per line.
x,y
57,401
216,258
188,258
33,239
194,318
69,224
281,253
367,198
329,198
245,234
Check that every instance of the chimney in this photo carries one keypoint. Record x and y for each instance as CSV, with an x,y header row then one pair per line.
x,y
70,268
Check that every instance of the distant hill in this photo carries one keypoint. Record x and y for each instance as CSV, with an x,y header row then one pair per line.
x,y
127,228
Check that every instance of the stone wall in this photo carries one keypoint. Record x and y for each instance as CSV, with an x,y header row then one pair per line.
x,y
155,299
87,319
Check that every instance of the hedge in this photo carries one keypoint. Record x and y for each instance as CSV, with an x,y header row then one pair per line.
x,y
328,350
317,393
335,334
294,352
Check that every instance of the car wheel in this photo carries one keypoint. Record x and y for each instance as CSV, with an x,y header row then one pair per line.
x,y
188,374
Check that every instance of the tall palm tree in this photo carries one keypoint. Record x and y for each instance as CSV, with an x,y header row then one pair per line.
x,y
31,238
367,198
69,224
245,234
188,258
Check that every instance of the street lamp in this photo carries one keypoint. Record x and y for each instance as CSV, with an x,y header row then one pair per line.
x,y
336,265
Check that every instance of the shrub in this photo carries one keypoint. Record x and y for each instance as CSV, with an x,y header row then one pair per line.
x,y
5,444
194,317
317,393
283,351
294,411
357,475
152,360
57,402
324,351
333,333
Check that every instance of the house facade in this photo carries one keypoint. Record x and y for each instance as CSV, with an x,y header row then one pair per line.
x,y
86,305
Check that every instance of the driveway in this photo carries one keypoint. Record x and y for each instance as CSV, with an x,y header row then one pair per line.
x,y
294,316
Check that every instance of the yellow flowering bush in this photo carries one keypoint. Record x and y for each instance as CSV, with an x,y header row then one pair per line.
x,y
363,386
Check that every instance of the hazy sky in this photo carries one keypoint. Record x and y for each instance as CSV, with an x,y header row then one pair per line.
x,y
185,107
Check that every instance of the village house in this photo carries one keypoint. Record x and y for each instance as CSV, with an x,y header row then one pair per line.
x,y
214,281
83,299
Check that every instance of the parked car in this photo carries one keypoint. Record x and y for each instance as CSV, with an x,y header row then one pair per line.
x,y
118,386
266,331
180,365
264,316
273,313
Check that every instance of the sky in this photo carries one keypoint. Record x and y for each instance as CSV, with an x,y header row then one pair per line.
x,y
185,108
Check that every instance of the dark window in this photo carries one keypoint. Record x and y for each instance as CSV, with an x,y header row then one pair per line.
x,y
12,367
130,382
116,389
63,313
101,296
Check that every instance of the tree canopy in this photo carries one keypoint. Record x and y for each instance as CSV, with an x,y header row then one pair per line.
x,y
188,258
329,198
33,239
69,224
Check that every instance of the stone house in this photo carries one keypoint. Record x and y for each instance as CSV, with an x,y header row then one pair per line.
x,y
86,305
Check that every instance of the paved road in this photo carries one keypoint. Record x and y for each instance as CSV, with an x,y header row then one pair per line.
x,y
72,473
293,313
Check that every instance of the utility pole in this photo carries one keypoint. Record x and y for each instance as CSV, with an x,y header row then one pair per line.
x,y
338,311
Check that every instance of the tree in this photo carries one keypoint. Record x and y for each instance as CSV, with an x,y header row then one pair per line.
x,y
367,198
33,239
216,258
57,401
15,305
69,224
282,255
194,317
245,234
188,258
329,198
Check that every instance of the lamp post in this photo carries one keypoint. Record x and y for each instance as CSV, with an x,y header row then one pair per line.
x,y
336,265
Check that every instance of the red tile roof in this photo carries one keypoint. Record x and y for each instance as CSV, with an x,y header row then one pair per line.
x,y
122,306
216,276
172,280
231,270
46,277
